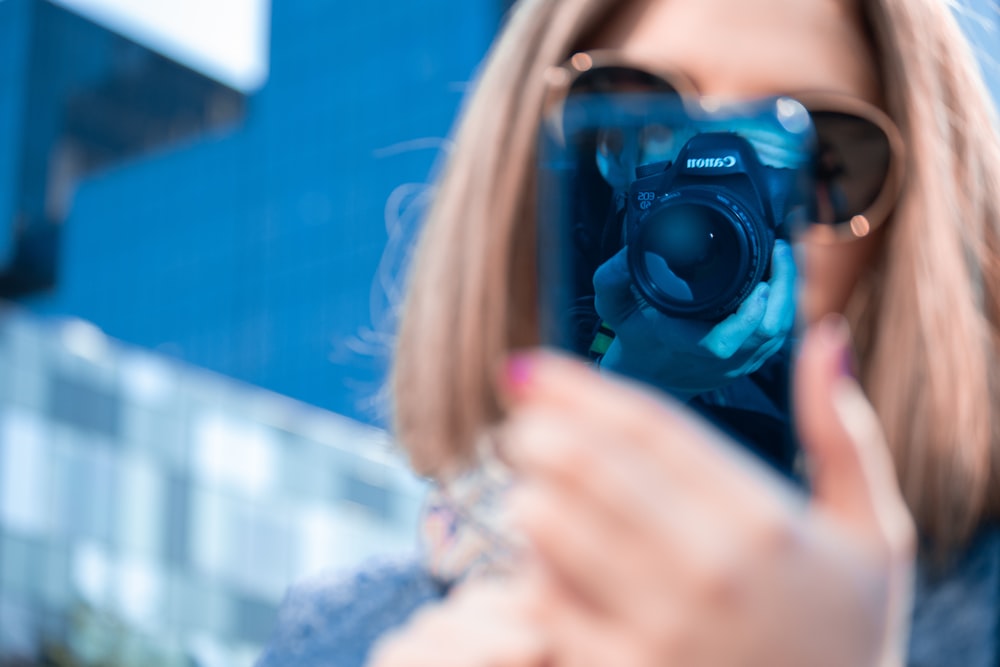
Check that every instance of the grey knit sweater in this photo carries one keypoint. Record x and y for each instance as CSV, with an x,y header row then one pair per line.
x,y
334,622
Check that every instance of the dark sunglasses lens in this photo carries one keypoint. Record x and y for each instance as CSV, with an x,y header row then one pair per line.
x,y
852,165
619,79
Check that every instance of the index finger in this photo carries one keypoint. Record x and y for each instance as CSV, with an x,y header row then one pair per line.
x,y
728,336
780,313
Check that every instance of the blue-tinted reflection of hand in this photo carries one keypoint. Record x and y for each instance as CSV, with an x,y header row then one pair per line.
x,y
689,357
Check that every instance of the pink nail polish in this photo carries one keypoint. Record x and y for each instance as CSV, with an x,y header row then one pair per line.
x,y
518,371
837,334
848,363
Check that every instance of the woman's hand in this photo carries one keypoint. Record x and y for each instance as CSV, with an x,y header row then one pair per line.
x,y
688,357
681,550
482,624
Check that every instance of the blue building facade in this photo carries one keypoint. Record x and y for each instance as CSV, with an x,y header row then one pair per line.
x,y
13,77
260,250
83,99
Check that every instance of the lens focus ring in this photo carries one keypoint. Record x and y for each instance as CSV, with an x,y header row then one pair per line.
x,y
697,253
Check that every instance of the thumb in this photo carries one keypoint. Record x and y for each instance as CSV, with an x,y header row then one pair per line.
x,y
853,477
614,299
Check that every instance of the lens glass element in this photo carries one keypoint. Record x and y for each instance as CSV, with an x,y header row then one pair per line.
x,y
852,163
691,252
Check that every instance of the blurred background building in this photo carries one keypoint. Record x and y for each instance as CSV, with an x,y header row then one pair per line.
x,y
152,513
240,232
204,265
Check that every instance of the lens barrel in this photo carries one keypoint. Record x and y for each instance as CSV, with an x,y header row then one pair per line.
x,y
698,253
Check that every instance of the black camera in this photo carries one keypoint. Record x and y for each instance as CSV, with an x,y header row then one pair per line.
x,y
700,229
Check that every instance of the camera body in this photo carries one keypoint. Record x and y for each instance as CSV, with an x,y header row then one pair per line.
x,y
700,229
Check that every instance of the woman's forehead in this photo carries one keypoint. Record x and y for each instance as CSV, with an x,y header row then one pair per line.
x,y
750,48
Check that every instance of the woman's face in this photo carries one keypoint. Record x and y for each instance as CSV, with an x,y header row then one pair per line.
x,y
742,49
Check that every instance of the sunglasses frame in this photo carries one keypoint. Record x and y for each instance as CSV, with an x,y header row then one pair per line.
x,y
560,80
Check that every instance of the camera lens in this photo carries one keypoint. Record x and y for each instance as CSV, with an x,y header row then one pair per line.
x,y
691,252
694,256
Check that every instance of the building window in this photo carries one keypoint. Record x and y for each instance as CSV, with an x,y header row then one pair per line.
x,y
85,406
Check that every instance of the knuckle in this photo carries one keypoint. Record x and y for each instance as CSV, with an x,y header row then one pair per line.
x,y
669,645
602,279
660,636
775,532
902,538
770,329
582,466
717,579
725,352
616,646
718,348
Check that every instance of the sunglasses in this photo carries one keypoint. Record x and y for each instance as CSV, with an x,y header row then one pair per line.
x,y
856,166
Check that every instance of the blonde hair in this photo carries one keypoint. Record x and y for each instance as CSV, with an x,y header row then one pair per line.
x,y
926,318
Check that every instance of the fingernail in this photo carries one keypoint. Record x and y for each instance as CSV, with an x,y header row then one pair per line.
x,y
764,292
834,330
518,371
856,414
848,363
836,335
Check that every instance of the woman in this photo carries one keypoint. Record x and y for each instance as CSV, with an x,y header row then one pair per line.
x,y
932,273
921,294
